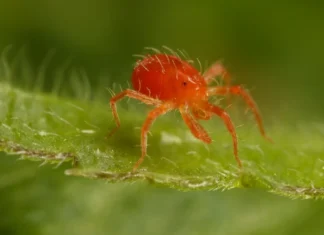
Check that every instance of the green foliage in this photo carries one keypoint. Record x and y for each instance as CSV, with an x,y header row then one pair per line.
x,y
41,200
54,129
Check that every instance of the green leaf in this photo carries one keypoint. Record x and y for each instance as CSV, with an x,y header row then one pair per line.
x,y
54,129
39,200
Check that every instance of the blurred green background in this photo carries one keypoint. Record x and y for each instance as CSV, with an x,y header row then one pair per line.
x,y
274,47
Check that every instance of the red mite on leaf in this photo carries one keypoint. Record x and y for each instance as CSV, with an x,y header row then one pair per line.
x,y
167,82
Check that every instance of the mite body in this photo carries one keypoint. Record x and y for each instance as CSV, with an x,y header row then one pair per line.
x,y
168,82
167,78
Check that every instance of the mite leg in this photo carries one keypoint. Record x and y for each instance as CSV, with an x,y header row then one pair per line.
x,y
238,90
132,94
230,127
196,129
153,114
217,69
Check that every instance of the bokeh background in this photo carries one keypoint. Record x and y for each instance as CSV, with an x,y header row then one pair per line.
x,y
274,47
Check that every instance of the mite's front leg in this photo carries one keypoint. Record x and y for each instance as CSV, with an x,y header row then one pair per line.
x,y
230,127
196,129
238,90
217,69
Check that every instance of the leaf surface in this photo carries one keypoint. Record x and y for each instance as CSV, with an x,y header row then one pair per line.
x,y
53,129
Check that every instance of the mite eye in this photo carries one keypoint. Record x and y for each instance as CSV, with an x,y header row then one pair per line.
x,y
184,83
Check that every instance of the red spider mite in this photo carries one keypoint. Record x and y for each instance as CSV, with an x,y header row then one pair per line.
x,y
168,82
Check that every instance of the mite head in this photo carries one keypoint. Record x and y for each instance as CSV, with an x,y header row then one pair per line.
x,y
189,88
